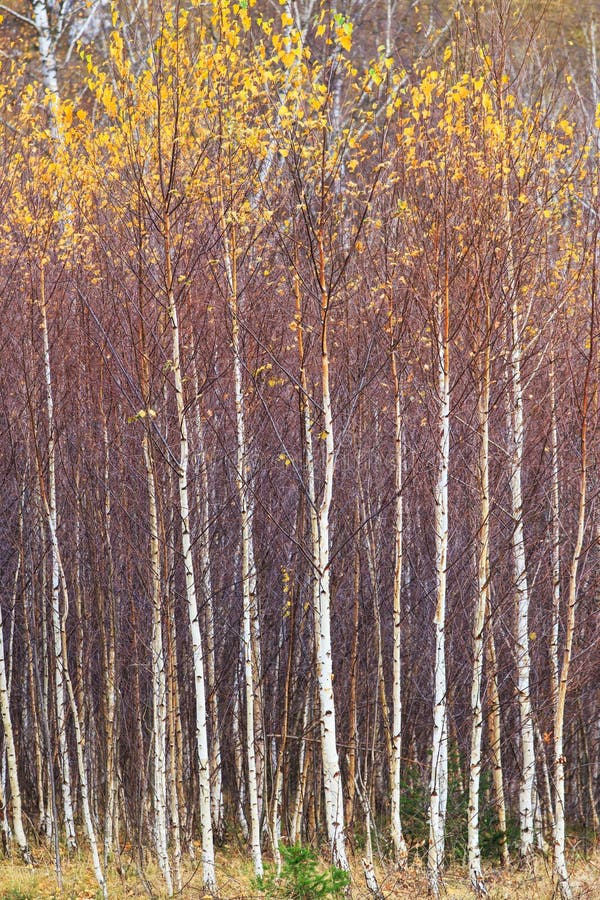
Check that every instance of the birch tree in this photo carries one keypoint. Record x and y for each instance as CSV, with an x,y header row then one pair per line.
x,y
11,757
561,667
482,603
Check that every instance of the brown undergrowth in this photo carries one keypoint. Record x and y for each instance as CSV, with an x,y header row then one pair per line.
x,y
132,877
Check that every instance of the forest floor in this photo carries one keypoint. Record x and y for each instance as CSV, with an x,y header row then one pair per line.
x,y
18,882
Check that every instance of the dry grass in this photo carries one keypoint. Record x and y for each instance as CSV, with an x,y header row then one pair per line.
x,y
235,880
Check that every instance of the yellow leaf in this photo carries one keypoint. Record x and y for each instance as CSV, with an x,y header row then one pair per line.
x,y
344,35
566,127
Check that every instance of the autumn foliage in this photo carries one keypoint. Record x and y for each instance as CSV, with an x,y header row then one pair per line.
x,y
299,406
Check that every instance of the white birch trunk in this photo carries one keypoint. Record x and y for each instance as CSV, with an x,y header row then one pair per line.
x,y
259,731
51,513
248,613
11,756
481,606
5,824
51,811
111,802
60,638
558,825
159,688
332,776
45,821
400,848
279,756
555,515
81,767
560,688
367,861
439,761
353,748
276,811
46,50
172,767
319,521
208,855
559,858
515,428
250,620
218,811
521,586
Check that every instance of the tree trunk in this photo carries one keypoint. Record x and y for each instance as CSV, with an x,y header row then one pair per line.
x,y
11,756
438,787
521,584
562,672
400,848
208,856
494,737
49,496
481,606
218,811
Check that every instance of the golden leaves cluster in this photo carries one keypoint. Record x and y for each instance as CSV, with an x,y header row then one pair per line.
x,y
223,93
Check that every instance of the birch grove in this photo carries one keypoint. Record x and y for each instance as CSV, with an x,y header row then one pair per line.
x,y
299,524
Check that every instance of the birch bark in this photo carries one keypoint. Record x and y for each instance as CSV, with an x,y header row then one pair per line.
x,y
481,606
400,848
52,521
218,811
561,672
521,583
332,776
319,521
439,761
250,610
516,441
11,756
353,712
159,687
111,799
208,856
59,611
